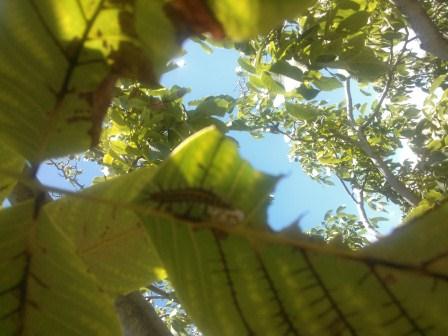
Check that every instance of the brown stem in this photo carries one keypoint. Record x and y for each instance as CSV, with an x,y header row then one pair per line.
x,y
138,317
165,295
359,204
388,85
361,207
347,190
376,159
63,173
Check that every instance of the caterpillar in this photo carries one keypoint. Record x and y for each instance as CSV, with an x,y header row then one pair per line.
x,y
196,203
189,195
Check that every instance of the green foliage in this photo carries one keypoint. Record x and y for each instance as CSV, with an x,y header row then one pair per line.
x,y
101,227
200,217
144,125
221,268
45,285
247,18
342,226
59,65
357,141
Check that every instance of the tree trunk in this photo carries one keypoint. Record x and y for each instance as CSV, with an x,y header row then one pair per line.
x,y
138,317
432,40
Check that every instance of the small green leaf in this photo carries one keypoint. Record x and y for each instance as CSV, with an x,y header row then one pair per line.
x,y
434,145
392,35
204,45
244,64
214,105
354,22
327,83
365,93
284,68
270,84
437,82
301,112
365,65
307,92
245,19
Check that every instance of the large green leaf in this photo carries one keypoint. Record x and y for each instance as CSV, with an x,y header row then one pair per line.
x,y
354,22
204,210
59,60
244,19
45,288
64,262
327,83
156,32
284,68
11,165
236,277
364,65
108,236
58,65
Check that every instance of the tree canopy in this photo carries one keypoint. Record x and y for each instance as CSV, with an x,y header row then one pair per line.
x,y
183,205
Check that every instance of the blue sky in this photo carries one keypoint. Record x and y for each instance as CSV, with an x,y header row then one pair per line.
x,y
295,195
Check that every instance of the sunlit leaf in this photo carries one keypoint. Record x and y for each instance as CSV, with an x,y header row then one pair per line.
x,y
45,287
223,268
307,92
58,67
286,69
11,165
327,83
110,239
246,66
354,22
246,18
301,112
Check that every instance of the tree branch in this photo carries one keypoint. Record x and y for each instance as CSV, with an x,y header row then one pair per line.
x,y
165,295
138,317
430,36
380,164
28,187
352,196
359,203
61,168
349,104
361,206
387,87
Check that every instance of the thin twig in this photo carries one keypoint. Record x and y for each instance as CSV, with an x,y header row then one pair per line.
x,y
352,196
60,167
387,86
155,297
362,204
162,293
349,104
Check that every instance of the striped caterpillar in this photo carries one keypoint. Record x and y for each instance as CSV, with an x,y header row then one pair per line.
x,y
197,204
188,195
